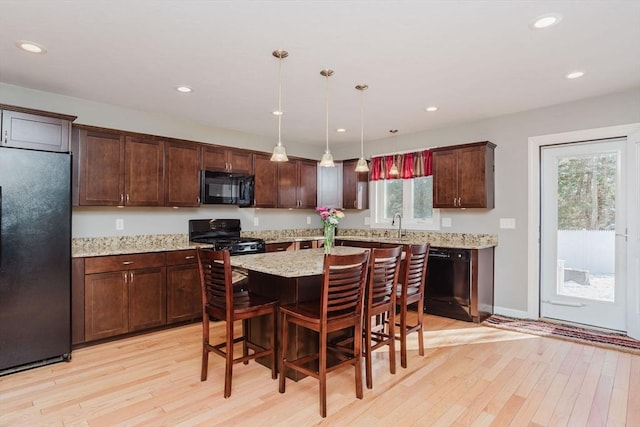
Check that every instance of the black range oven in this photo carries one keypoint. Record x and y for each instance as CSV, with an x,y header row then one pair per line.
x,y
224,234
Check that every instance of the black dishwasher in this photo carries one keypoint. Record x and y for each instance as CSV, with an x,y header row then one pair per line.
x,y
448,286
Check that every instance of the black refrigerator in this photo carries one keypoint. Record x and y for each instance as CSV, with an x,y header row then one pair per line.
x,y
35,258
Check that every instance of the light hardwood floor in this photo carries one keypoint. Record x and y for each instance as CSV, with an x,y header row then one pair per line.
x,y
470,376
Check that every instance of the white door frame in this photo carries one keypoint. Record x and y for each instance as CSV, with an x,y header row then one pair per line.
x,y
632,133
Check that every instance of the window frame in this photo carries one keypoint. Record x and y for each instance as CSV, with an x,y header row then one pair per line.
x,y
378,220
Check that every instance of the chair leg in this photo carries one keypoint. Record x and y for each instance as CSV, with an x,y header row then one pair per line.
x,y
245,331
357,349
274,352
367,350
420,331
283,354
229,360
322,373
403,336
391,331
205,349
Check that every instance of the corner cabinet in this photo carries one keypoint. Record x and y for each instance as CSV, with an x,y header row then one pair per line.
x,y
464,176
355,190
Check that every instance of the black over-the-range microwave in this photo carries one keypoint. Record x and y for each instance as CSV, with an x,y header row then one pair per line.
x,y
224,188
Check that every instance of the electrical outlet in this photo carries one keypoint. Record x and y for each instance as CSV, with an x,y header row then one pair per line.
x,y
119,224
507,223
308,220
446,222
367,220
256,222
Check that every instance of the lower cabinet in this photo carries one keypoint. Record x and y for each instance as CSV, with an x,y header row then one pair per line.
x,y
124,293
184,299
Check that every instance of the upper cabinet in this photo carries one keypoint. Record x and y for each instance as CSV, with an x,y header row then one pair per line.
x,y
34,129
114,169
355,189
463,176
297,184
330,186
182,173
225,159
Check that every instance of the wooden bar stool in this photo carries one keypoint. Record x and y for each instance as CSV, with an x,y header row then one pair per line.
x,y
340,308
380,306
410,291
219,302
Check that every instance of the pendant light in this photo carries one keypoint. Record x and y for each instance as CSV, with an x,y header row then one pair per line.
x,y
394,168
362,166
279,153
327,157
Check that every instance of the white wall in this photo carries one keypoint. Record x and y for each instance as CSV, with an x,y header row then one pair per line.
x,y
510,133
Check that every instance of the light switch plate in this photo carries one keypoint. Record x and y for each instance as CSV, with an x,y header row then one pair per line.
x,y
119,224
256,222
367,220
446,222
308,220
507,223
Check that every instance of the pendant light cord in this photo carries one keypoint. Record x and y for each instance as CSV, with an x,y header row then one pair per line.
x,y
327,111
279,100
362,124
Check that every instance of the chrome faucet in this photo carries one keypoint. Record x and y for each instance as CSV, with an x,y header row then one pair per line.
x,y
393,222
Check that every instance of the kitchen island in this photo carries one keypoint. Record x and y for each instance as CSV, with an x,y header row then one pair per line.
x,y
289,277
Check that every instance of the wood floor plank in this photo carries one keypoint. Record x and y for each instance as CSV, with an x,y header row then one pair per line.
x,y
470,375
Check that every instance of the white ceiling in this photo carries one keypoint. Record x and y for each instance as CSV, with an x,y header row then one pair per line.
x,y
473,59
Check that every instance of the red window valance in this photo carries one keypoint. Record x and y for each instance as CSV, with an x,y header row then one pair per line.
x,y
410,165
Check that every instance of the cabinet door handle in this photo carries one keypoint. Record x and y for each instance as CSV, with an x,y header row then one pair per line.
x,y
121,198
126,278
127,197
459,201
127,262
198,200
189,257
131,276
6,136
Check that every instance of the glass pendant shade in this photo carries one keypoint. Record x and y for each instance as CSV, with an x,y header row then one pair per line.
x,y
394,169
279,152
327,160
362,165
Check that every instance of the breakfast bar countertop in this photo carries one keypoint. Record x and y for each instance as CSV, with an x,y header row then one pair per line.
x,y
306,262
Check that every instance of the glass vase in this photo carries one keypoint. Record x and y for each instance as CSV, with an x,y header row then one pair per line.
x,y
329,237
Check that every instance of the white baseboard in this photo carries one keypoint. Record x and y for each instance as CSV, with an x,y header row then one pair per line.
x,y
518,314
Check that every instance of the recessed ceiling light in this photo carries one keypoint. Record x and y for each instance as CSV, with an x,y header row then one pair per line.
x,y
30,47
184,89
546,21
431,109
575,75
341,130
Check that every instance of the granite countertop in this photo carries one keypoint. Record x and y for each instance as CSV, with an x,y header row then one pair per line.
x,y
118,245
305,262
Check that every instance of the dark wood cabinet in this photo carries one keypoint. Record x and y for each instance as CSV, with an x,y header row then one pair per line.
x,y
144,171
280,247
99,167
358,243
184,299
297,184
182,173
114,169
266,181
77,301
464,176
124,293
34,129
306,244
355,191
225,159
